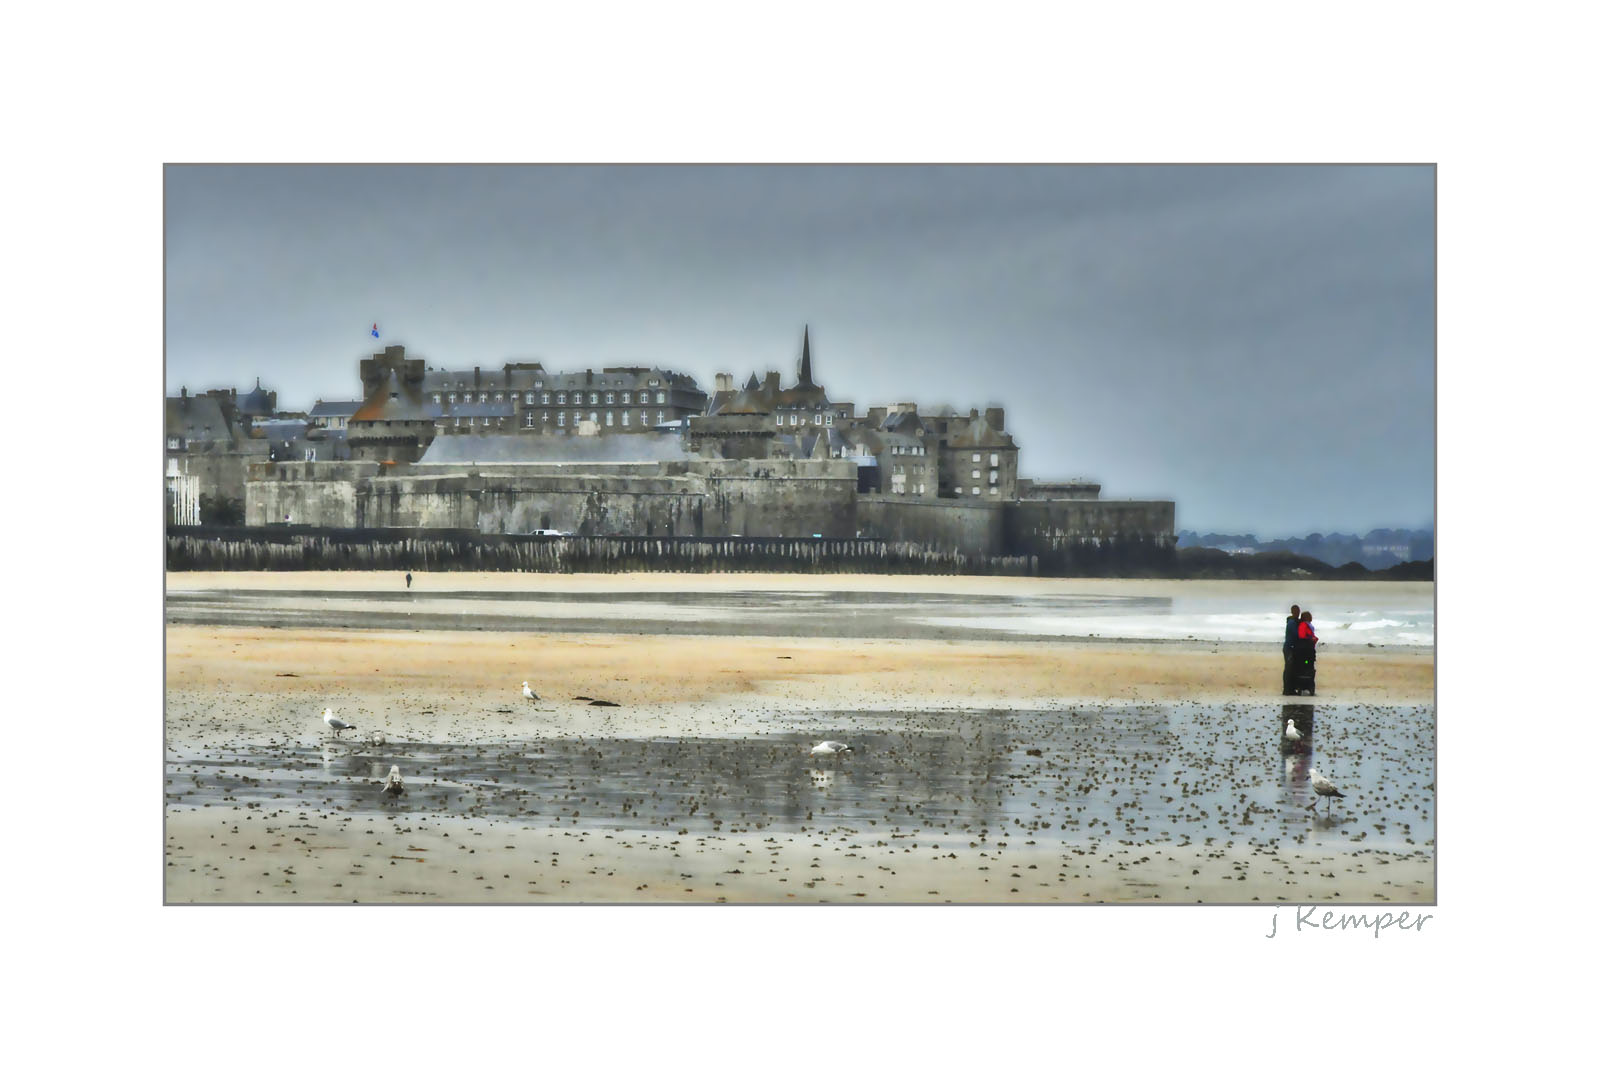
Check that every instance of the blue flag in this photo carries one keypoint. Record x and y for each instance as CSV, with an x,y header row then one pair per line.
x,y
374,330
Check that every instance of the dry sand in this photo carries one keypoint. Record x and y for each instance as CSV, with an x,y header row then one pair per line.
x,y
461,685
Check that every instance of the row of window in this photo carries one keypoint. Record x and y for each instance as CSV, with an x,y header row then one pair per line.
x,y
628,418
977,491
797,420
561,398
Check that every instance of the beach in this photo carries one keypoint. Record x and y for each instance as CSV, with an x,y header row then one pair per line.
x,y
1015,740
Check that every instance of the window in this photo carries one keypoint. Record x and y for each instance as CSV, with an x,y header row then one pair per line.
x,y
544,399
594,398
830,419
594,417
794,420
528,400
611,398
499,396
994,477
625,397
994,460
527,420
609,415
483,398
974,474
544,417
958,489
561,398
561,419
452,398
661,397
661,417
625,414
994,491
436,398
975,458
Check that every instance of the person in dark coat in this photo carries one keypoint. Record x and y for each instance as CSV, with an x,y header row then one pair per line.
x,y
1291,631
408,580
1305,649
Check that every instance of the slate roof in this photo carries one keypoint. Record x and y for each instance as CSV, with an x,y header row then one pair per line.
x,y
392,400
335,408
461,449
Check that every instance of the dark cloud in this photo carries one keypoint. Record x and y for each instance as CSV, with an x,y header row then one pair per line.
x,y
1255,342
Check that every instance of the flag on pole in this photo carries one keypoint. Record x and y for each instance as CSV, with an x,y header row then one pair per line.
x,y
374,330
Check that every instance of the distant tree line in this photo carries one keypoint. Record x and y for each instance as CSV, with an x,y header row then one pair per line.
x,y
1379,548
1199,562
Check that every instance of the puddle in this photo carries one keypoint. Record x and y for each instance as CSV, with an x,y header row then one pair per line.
x,y
1134,775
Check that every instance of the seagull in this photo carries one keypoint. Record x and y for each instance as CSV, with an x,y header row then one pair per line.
x,y
830,747
1291,733
334,722
527,692
393,784
1324,788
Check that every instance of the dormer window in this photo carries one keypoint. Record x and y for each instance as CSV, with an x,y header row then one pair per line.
x,y
626,395
452,398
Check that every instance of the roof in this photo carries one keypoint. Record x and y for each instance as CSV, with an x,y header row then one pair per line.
x,y
335,408
257,402
979,434
554,449
392,400
199,419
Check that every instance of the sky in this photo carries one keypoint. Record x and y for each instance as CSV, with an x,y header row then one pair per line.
x,y
1255,343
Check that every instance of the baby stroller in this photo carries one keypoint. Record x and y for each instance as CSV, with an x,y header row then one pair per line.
x,y
1302,668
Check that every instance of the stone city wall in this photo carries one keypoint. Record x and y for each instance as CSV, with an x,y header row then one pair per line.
x,y
941,522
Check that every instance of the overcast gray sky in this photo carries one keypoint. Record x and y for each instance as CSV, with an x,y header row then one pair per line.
x,y
1256,343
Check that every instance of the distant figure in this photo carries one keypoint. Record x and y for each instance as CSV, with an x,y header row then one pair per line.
x,y
1291,631
527,692
394,785
408,580
334,722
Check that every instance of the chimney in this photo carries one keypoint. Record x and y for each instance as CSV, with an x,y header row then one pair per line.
x,y
996,418
477,377
770,385
724,382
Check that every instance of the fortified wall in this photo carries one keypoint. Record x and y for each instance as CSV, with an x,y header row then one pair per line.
x,y
698,498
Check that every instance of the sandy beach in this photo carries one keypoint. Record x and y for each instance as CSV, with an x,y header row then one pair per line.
x,y
998,765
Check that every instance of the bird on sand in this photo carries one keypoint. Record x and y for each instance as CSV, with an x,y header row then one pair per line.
x,y
393,784
1292,733
334,722
1324,788
830,747
527,692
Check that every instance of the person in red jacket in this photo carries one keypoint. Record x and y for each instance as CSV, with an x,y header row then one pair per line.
x,y
1307,632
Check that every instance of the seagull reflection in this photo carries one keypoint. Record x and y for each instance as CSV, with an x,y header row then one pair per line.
x,y
821,778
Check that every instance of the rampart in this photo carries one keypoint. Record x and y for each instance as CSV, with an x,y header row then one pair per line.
x,y
698,498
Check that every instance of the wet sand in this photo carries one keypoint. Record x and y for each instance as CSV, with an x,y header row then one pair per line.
x,y
243,701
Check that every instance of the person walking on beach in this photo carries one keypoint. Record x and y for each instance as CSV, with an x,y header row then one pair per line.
x,y
1291,631
408,580
1306,632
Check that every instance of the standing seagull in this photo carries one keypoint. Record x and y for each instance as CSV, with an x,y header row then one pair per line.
x,y
527,692
334,722
1324,788
393,784
1291,733
830,746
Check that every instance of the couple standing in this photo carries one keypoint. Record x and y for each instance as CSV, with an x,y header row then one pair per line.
x,y
1298,637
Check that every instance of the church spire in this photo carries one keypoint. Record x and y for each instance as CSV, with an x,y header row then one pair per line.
x,y
805,358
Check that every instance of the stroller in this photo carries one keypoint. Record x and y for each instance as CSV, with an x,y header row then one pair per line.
x,y
1302,675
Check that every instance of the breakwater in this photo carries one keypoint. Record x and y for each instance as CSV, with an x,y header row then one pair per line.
x,y
340,549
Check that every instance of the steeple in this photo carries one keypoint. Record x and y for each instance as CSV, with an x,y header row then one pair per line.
x,y
805,358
